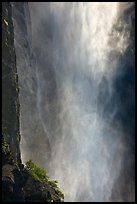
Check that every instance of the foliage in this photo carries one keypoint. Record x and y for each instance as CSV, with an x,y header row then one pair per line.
x,y
36,172
40,174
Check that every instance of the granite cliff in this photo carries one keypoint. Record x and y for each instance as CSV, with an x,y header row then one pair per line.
x,y
20,183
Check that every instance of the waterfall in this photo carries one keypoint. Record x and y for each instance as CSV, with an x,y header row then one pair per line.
x,y
70,109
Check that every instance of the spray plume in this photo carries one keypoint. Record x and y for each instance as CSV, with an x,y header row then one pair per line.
x,y
77,49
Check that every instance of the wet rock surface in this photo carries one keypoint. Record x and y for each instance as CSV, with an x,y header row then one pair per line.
x,y
17,184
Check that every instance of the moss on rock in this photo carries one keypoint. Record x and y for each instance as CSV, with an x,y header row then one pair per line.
x,y
40,175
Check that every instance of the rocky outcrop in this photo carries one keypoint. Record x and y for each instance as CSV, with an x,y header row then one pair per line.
x,y
35,191
17,184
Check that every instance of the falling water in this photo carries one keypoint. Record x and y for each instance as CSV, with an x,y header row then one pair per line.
x,y
75,57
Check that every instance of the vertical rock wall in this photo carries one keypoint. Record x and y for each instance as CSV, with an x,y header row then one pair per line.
x,y
10,89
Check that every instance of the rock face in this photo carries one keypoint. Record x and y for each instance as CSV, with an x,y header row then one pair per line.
x,y
17,184
10,102
11,160
39,191
28,72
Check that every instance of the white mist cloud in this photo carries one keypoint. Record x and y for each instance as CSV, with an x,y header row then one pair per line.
x,y
79,43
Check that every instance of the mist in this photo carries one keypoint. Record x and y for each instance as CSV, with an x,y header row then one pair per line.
x,y
76,74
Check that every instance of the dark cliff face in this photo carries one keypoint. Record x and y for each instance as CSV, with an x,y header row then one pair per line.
x,y
11,160
18,185
10,102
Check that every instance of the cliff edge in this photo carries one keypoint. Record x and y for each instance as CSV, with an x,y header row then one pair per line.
x,y
20,183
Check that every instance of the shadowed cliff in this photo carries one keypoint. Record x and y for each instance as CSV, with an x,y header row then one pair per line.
x,y
20,183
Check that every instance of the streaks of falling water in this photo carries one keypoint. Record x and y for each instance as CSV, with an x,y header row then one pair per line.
x,y
77,47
